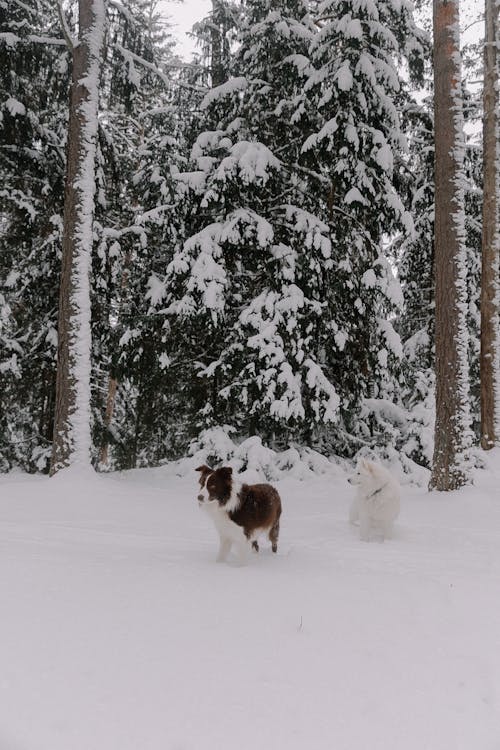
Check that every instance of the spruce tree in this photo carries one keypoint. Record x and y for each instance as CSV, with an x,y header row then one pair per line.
x,y
490,366
356,87
34,78
141,151
252,276
452,428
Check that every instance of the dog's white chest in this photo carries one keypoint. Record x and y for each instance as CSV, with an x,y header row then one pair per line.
x,y
227,529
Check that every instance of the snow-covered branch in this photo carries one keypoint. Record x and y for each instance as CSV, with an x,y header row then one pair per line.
x,y
70,41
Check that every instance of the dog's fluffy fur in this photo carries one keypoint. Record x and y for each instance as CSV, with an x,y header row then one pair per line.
x,y
377,501
240,512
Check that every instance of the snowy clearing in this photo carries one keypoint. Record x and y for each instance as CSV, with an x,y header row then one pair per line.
x,y
120,632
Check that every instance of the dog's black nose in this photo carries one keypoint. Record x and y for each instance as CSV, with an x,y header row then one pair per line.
x,y
200,498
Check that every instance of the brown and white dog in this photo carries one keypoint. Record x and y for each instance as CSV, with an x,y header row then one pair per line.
x,y
240,512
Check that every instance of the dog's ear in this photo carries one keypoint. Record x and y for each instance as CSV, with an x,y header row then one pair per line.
x,y
370,466
225,471
363,464
204,469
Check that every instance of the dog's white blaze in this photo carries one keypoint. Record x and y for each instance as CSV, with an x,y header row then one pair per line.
x,y
234,501
203,493
227,529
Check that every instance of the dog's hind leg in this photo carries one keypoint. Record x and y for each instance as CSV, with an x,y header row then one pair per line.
x,y
274,534
243,550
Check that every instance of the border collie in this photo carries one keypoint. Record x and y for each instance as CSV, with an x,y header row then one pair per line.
x,y
376,505
240,512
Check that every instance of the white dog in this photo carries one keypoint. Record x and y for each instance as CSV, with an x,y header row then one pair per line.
x,y
376,505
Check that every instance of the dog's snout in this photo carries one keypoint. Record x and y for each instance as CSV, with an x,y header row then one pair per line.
x,y
200,498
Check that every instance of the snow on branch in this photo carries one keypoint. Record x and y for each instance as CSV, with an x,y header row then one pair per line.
x,y
122,9
11,39
225,89
26,7
68,38
131,58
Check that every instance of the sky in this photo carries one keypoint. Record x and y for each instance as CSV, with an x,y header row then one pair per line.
x,y
184,15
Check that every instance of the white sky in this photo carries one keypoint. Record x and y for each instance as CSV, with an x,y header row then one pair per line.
x,y
184,15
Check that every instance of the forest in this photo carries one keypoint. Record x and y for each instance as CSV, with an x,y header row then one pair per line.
x,y
290,239
249,375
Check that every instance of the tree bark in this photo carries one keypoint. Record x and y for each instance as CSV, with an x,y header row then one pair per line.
x,y
72,441
112,381
216,33
452,427
491,232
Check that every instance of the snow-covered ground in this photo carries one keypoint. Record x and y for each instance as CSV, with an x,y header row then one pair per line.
x,y
118,631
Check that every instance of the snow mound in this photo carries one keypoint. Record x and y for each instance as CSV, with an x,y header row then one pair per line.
x,y
255,461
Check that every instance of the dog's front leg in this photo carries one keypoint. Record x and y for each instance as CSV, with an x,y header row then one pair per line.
x,y
387,530
364,527
224,549
354,512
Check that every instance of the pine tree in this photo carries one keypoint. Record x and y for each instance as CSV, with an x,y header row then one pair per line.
x,y
356,88
452,429
215,35
72,427
252,277
414,257
142,137
33,90
489,369
473,196
415,260
133,83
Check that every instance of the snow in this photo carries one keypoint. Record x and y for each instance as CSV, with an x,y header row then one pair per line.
x,y
119,630
9,38
156,290
384,158
301,62
392,338
344,77
253,161
15,107
353,29
225,89
354,196
340,339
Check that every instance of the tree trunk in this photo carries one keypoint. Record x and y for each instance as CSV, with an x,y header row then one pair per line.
x,y
108,416
112,381
72,437
491,233
216,33
452,428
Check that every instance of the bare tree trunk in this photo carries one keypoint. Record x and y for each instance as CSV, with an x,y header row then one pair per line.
x,y
491,232
108,417
216,33
112,381
72,439
452,428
